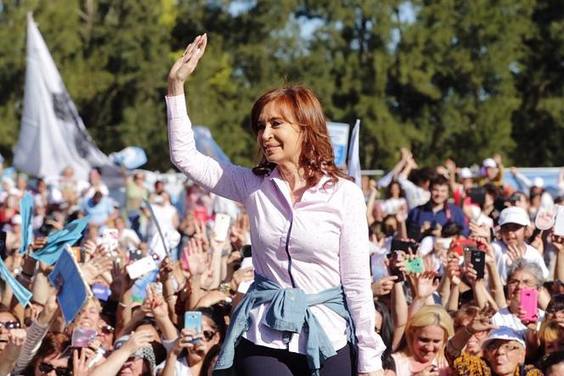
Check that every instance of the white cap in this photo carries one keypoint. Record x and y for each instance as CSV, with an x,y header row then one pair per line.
x,y
465,173
489,162
504,333
538,182
16,219
514,214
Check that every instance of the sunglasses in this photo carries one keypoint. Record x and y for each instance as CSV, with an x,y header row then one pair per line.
x,y
208,334
107,329
46,368
10,325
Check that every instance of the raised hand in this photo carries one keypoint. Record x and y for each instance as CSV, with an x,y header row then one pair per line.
x,y
137,340
384,286
197,257
482,321
514,252
186,64
424,284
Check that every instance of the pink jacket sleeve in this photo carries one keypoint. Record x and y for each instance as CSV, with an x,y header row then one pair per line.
x,y
355,277
227,180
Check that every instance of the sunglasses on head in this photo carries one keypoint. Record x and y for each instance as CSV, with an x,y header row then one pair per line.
x,y
10,324
45,368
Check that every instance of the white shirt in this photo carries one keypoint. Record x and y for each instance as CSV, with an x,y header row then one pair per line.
x,y
327,241
505,318
504,262
414,195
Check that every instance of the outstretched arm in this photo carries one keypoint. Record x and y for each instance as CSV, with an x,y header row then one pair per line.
x,y
224,179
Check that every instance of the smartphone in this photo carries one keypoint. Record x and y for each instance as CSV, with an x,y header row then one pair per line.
x,y
478,260
247,262
528,302
102,292
193,321
415,265
135,254
559,221
143,266
109,239
394,270
246,251
3,245
221,227
81,337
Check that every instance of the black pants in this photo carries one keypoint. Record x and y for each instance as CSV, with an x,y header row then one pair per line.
x,y
254,360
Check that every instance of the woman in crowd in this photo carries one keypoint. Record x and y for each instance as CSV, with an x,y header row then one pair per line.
x,y
426,335
191,349
309,229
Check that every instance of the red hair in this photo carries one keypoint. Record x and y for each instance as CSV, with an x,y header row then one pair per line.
x,y
300,105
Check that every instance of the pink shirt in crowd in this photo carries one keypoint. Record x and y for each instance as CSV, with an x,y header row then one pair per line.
x,y
327,241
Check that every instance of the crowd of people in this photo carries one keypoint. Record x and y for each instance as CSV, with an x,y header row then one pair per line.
x,y
442,320
462,280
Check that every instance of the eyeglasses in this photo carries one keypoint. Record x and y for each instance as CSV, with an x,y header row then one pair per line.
x,y
10,325
208,334
107,329
506,347
46,368
525,282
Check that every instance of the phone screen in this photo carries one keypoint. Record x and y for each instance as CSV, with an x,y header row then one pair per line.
x,y
193,321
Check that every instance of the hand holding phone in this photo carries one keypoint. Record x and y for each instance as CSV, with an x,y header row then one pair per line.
x,y
528,302
81,337
221,227
393,267
415,265
193,322
473,256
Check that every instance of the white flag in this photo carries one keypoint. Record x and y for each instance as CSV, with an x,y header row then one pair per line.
x,y
354,157
52,134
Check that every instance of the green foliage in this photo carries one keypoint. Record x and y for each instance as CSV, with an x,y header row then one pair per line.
x,y
448,78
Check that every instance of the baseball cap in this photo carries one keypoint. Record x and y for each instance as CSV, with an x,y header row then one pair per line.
x,y
514,214
489,162
538,182
504,333
465,173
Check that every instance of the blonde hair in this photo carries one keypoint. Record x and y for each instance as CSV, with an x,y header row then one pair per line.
x,y
427,316
550,331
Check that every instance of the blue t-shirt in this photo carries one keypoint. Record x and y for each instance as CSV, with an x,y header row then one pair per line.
x,y
99,213
424,213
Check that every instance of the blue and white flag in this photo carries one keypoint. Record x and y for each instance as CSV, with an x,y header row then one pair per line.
x,y
207,145
72,291
339,135
57,241
131,157
22,294
354,156
52,134
26,212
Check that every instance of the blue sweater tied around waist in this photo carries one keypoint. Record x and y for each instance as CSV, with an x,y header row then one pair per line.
x,y
288,313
